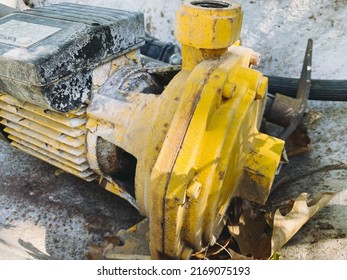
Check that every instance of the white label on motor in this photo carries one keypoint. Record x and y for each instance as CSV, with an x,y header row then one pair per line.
x,y
24,34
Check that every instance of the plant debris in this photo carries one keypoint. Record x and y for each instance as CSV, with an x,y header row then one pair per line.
x,y
259,233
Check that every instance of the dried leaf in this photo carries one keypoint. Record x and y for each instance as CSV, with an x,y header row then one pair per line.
x,y
275,257
310,118
220,250
236,256
260,235
285,226
95,252
297,143
251,234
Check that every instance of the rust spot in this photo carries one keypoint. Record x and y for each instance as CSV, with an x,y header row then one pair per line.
x,y
214,31
219,90
177,99
103,183
157,148
221,175
256,172
166,125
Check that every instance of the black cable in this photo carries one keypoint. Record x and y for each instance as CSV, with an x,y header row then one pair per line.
x,y
326,90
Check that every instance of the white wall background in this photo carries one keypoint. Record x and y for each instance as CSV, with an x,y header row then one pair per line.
x,y
277,29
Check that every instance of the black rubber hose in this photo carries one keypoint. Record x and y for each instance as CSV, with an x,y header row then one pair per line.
x,y
327,90
6,10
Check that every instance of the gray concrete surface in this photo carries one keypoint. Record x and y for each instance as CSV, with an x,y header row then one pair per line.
x,y
47,216
322,169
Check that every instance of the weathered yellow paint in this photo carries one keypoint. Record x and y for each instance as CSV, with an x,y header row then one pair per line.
x,y
197,144
69,119
112,186
198,27
138,125
208,152
260,166
56,138
206,34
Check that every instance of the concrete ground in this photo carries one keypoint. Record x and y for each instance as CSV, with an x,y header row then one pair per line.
x,y
323,169
59,217
47,216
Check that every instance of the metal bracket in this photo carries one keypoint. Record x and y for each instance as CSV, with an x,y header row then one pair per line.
x,y
287,111
135,244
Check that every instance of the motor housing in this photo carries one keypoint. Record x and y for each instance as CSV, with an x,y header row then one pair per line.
x,y
48,54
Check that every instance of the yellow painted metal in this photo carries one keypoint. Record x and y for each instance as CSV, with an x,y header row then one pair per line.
x,y
212,150
68,119
59,158
87,175
201,165
42,120
35,143
260,165
22,132
137,123
205,34
55,134
197,144
198,27
58,139
112,186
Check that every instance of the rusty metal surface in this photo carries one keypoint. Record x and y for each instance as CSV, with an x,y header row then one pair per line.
x,y
133,244
288,112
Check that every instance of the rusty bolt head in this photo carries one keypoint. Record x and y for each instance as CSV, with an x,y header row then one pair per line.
x,y
255,59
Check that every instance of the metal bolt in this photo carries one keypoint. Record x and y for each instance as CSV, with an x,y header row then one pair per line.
x,y
194,189
229,90
255,59
261,89
175,59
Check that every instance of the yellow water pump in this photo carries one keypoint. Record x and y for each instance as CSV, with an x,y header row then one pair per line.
x,y
178,145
